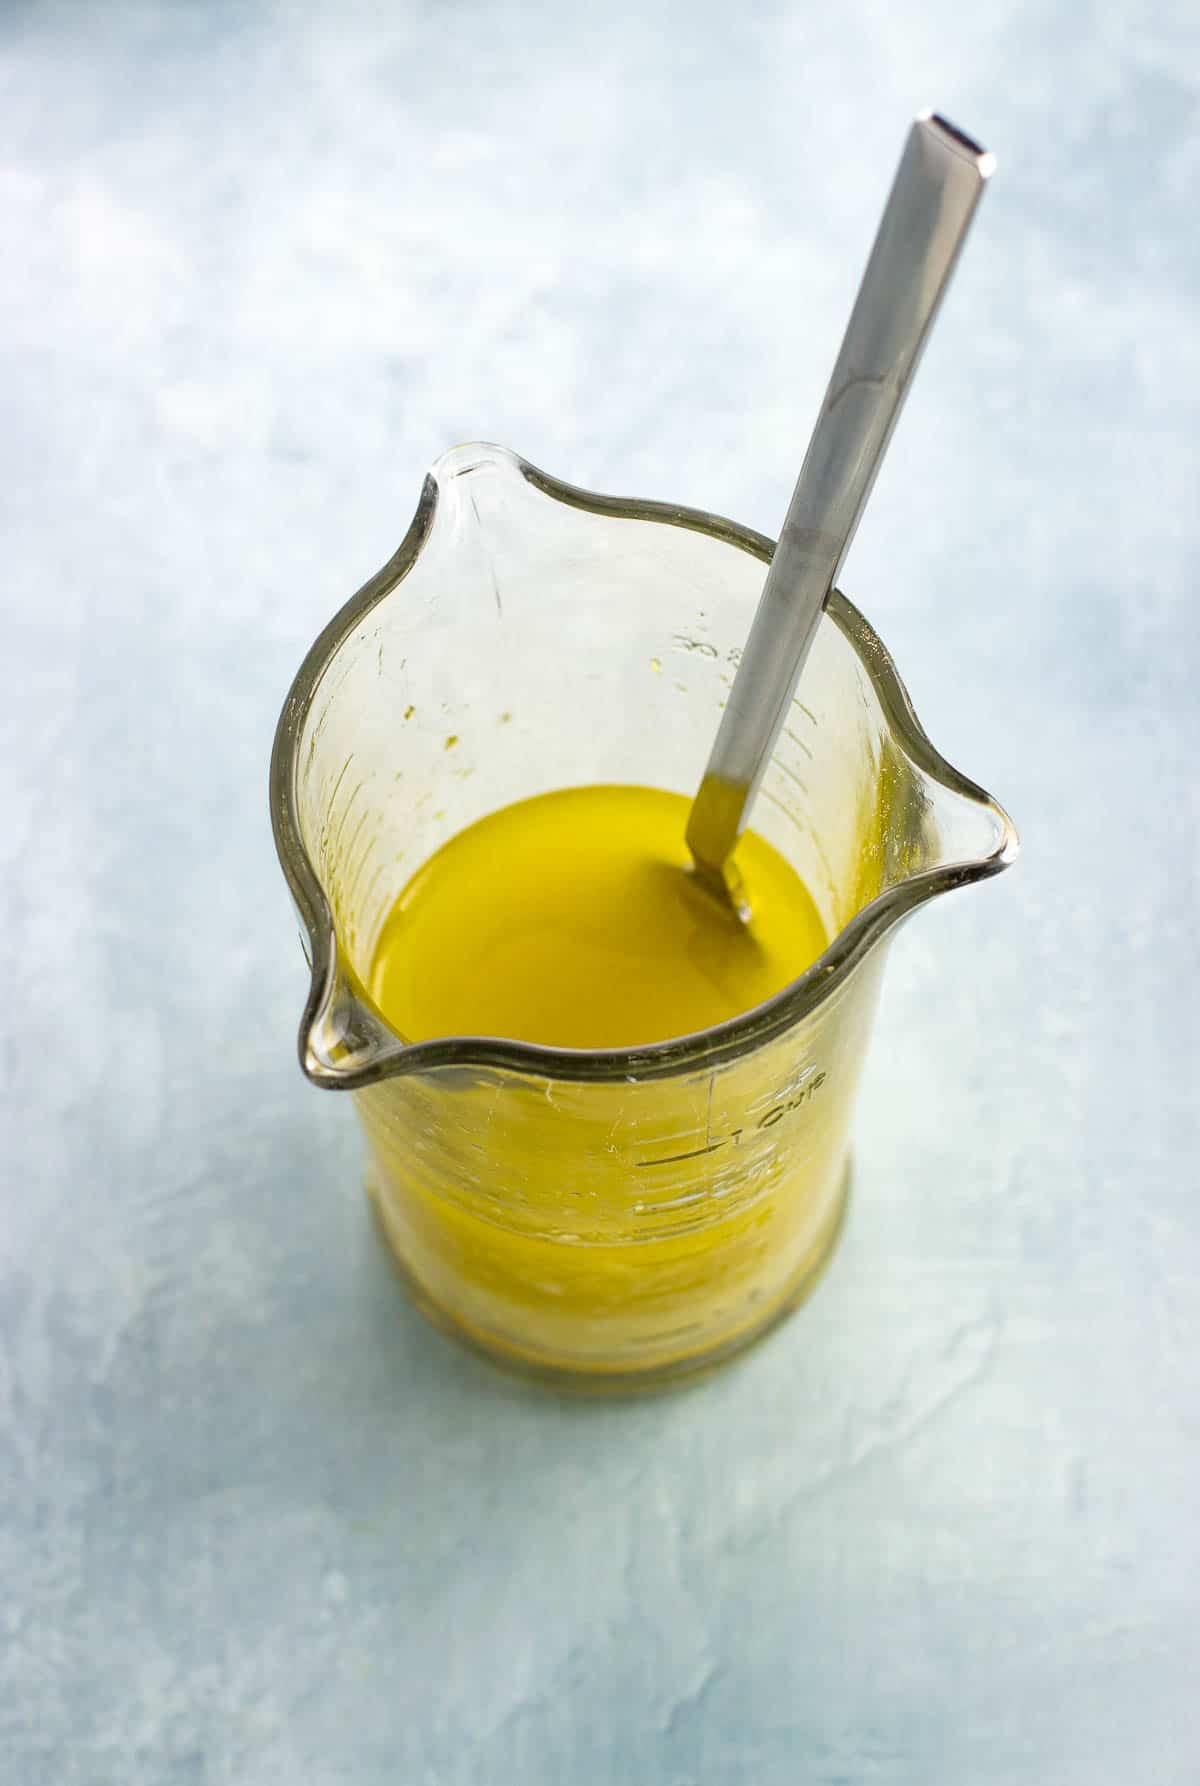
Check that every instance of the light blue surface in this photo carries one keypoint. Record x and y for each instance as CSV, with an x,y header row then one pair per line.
x,y
257,1523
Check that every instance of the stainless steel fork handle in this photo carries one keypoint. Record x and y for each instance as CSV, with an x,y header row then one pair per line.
x,y
938,184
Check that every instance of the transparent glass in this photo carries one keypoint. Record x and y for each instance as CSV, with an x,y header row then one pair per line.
x,y
622,1215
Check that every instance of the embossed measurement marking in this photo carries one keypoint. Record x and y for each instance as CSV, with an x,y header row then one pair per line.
x,y
767,1120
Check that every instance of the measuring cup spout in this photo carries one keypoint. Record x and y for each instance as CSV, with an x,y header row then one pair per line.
x,y
342,1040
967,831
931,829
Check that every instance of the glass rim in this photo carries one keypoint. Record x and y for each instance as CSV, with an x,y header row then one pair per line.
x,y
679,1054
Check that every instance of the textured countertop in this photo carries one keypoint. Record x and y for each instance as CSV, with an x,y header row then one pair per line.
x,y
258,1523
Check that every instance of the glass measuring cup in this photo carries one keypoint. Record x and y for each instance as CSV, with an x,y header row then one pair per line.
x,y
621,1215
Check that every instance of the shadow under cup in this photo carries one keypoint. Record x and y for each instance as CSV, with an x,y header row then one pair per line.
x,y
618,1216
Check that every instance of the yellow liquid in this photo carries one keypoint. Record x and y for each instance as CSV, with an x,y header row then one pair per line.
x,y
572,920
625,1228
